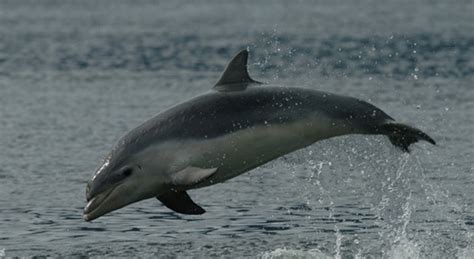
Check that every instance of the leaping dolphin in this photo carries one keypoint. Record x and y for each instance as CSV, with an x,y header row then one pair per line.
x,y
238,125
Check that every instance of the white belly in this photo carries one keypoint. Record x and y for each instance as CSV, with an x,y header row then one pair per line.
x,y
241,151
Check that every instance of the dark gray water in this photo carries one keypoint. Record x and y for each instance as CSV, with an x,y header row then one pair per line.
x,y
77,75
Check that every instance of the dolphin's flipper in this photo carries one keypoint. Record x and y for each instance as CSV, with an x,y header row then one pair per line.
x,y
191,175
180,202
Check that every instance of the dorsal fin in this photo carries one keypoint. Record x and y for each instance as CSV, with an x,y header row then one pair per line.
x,y
235,72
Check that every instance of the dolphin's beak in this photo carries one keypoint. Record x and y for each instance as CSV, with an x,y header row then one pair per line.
x,y
104,196
101,204
97,194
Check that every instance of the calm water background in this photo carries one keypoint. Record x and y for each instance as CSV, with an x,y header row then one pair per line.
x,y
77,75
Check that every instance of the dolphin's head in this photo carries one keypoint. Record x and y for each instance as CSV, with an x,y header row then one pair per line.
x,y
115,185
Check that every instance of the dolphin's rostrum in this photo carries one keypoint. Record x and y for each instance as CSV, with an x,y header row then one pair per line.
x,y
238,125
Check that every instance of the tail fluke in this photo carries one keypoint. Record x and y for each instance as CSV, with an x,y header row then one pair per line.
x,y
403,136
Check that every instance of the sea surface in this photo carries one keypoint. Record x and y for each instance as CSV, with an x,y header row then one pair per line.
x,y
75,76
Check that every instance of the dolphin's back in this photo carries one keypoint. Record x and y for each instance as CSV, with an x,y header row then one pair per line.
x,y
216,113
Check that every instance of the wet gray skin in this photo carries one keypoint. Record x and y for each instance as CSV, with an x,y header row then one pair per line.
x,y
238,125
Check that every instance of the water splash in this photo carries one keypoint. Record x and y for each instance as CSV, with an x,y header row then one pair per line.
x,y
402,246
316,169
290,253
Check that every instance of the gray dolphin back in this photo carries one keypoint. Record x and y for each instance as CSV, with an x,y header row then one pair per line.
x,y
238,102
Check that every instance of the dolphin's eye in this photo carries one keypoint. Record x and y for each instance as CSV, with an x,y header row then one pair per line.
x,y
127,172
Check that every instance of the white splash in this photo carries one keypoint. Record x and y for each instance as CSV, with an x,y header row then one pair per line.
x,y
291,253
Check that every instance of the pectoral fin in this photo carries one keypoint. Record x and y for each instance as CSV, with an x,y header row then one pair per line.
x,y
191,175
180,202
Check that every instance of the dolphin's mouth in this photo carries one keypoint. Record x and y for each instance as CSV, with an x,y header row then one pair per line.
x,y
94,208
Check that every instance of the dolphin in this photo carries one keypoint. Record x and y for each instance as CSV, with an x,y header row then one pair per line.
x,y
238,125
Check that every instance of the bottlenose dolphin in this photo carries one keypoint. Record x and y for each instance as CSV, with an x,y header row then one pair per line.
x,y
238,125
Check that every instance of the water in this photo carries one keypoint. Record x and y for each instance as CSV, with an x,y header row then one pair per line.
x,y
77,75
